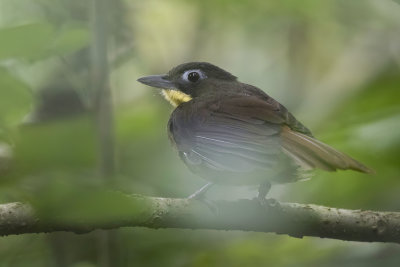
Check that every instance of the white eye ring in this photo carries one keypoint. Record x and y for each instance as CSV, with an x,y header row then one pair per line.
x,y
186,74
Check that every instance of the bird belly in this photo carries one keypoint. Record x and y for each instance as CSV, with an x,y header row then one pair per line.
x,y
228,170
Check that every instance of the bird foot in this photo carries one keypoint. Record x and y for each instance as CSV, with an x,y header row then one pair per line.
x,y
262,193
268,202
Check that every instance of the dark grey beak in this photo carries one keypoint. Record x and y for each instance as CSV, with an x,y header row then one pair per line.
x,y
159,81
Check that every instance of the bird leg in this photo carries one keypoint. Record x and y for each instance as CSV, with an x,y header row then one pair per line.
x,y
262,192
200,194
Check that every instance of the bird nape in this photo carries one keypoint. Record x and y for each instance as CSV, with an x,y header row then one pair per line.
x,y
230,132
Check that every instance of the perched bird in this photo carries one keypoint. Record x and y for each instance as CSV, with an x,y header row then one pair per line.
x,y
230,132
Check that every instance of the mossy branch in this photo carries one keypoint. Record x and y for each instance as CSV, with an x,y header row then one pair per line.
x,y
293,219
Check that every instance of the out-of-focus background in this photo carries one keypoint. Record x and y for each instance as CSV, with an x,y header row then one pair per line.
x,y
335,64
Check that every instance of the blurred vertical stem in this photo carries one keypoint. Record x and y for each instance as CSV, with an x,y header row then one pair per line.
x,y
298,57
100,87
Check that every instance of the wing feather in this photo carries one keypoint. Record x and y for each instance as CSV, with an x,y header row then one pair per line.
x,y
316,154
250,134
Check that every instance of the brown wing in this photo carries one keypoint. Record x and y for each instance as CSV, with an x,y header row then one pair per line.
x,y
296,140
244,134
264,108
312,153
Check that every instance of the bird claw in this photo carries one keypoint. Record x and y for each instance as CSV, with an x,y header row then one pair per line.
x,y
268,203
263,201
262,193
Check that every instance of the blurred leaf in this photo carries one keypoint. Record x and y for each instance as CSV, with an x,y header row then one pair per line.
x,y
70,39
15,98
140,121
380,99
39,40
251,252
67,144
28,41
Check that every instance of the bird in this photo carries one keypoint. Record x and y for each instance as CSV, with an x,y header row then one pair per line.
x,y
233,133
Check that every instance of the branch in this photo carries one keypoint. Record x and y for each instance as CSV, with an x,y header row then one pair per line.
x,y
293,219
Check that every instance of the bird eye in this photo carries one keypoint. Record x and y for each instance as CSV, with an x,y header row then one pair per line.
x,y
193,76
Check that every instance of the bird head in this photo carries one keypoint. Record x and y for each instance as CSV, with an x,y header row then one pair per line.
x,y
189,80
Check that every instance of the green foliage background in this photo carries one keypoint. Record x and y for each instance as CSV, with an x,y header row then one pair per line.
x,y
335,64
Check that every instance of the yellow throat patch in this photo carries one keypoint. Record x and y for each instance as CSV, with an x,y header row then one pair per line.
x,y
175,97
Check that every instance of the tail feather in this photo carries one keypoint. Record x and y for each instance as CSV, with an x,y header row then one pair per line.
x,y
311,153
